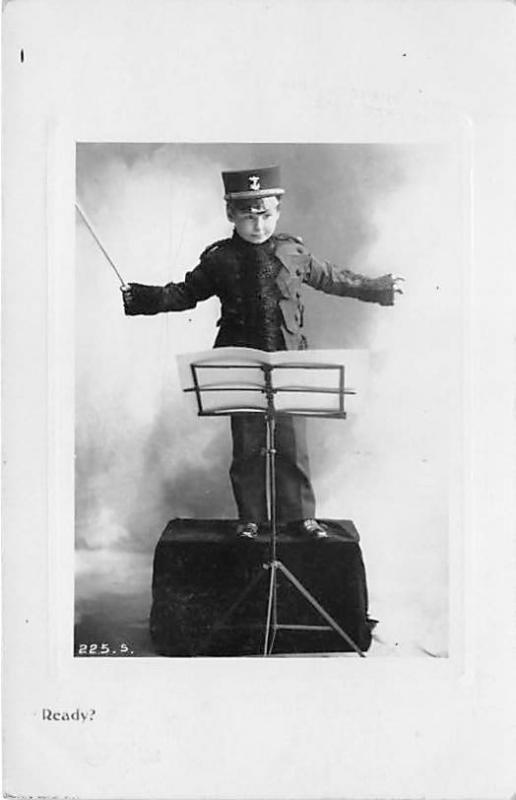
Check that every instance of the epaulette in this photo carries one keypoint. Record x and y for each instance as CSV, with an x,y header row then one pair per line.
x,y
285,237
213,247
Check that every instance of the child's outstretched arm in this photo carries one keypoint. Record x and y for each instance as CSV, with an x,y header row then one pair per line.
x,y
332,279
143,299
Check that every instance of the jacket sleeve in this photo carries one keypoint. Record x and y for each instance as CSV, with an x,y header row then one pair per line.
x,y
198,285
332,279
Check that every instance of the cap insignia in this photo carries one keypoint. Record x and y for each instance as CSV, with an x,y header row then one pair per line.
x,y
254,183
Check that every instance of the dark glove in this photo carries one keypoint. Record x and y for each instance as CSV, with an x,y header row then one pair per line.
x,y
128,296
382,290
378,290
384,287
141,299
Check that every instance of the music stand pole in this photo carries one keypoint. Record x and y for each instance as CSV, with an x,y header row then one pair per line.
x,y
270,451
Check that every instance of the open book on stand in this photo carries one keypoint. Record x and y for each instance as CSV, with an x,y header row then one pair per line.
x,y
308,382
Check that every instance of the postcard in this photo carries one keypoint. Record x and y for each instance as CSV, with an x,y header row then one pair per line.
x,y
258,400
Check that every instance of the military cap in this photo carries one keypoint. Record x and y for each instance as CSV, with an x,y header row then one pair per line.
x,y
251,184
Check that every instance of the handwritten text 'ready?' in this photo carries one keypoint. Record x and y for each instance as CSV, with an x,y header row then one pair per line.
x,y
77,715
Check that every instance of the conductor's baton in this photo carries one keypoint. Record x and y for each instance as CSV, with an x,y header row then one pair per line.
x,y
92,231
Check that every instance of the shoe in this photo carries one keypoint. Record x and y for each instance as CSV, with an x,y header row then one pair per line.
x,y
247,530
313,529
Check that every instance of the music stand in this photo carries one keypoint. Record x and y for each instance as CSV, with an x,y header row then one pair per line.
x,y
266,406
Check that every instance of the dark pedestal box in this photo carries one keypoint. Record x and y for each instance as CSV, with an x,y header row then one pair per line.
x,y
201,568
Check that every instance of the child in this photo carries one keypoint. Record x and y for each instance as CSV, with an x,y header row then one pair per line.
x,y
257,275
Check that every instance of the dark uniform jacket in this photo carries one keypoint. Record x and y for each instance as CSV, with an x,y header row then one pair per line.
x,y
221,273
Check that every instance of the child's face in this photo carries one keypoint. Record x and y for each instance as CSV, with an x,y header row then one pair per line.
x,y
253,225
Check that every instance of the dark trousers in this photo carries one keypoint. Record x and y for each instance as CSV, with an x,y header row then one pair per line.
x,y
294,494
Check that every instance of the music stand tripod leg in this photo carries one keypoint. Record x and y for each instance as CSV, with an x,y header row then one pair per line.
x,y
270,622
318,607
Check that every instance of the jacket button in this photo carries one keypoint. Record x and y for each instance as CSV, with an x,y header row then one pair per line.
x,y
298,272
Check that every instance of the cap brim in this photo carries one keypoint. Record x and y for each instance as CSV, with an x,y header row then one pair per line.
x,y
254,195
